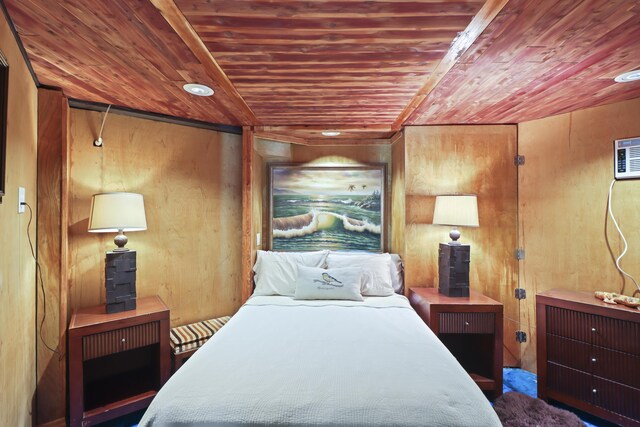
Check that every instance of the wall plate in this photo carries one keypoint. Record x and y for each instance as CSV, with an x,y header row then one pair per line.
x,y
22,198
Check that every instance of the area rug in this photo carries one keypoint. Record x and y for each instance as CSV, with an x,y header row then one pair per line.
x,y
519,410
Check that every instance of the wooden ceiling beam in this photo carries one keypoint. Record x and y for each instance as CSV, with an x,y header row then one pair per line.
x,y
460,45
317,142
347,142
185,31
341,128
311,135
329,9
274,136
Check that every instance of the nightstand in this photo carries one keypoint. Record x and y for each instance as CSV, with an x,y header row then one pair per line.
x,y
470,327
117,362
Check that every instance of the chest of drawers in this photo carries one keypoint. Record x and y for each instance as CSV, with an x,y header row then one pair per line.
x,y
588,355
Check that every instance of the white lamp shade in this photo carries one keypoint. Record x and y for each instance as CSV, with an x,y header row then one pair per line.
x,y
456,210
111,212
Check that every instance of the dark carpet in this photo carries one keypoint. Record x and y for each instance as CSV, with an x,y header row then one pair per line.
x,y
520,410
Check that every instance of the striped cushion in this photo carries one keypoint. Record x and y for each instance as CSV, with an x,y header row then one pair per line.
x,y
189,337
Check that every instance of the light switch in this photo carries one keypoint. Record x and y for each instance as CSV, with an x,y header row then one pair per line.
x,y
258,239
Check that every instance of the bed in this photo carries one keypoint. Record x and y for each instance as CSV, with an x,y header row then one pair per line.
x,y
288,361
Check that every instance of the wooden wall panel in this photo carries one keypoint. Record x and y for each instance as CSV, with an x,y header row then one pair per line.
x,y
17,268
192,183
259,184
52,242
398,198
248,216
569,240
465,159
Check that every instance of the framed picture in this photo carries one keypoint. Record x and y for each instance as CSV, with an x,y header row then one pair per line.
x,y
337,208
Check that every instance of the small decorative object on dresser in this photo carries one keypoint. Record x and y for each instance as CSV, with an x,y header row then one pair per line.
x,y
588,354
471,328
117,362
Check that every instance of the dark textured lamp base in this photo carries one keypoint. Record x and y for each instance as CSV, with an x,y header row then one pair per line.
x,y
453,272
120,281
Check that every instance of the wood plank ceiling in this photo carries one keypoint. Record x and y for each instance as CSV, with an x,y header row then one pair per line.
x,y
541,58
363,66
305,62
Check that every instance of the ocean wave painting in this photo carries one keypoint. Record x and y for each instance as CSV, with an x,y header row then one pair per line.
x,y
327,208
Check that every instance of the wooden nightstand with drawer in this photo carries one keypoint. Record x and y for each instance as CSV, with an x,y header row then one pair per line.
x,y
470,327
117,362
589,354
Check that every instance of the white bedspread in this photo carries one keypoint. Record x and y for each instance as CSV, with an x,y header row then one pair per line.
x,y
287,362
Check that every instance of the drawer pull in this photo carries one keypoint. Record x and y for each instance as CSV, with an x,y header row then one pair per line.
x,y
593,329
124,340
593,359
466,323
594,391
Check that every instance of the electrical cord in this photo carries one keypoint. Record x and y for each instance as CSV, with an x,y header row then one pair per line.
x,y
104,120
98,142
626,246
44,295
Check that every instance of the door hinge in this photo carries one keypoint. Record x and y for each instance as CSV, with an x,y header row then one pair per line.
x,y
521,293
521,336
519,254
518,160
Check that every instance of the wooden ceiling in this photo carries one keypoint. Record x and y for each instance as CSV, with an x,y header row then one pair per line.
x,y
365,67
541,58
327,62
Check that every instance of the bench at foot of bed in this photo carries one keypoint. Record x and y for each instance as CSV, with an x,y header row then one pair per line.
x,y
185,340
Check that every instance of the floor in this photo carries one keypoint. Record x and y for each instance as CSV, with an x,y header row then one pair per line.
x,y
514,380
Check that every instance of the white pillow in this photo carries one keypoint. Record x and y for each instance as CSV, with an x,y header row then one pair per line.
x,y
397,273
376,276
337,283
276,272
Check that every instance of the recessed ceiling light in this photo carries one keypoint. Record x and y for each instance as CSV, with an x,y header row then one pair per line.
x,y
631,76
330,133
198,89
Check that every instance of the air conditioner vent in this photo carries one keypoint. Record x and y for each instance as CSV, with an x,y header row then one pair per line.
x,y
626,158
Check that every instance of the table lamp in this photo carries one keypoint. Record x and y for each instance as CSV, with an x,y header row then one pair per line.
x,y
118,213
454,257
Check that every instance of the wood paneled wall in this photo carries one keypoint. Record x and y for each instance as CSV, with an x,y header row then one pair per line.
x,y
191,180
250,196
52,246
465,159
398,198
17,267
569,240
